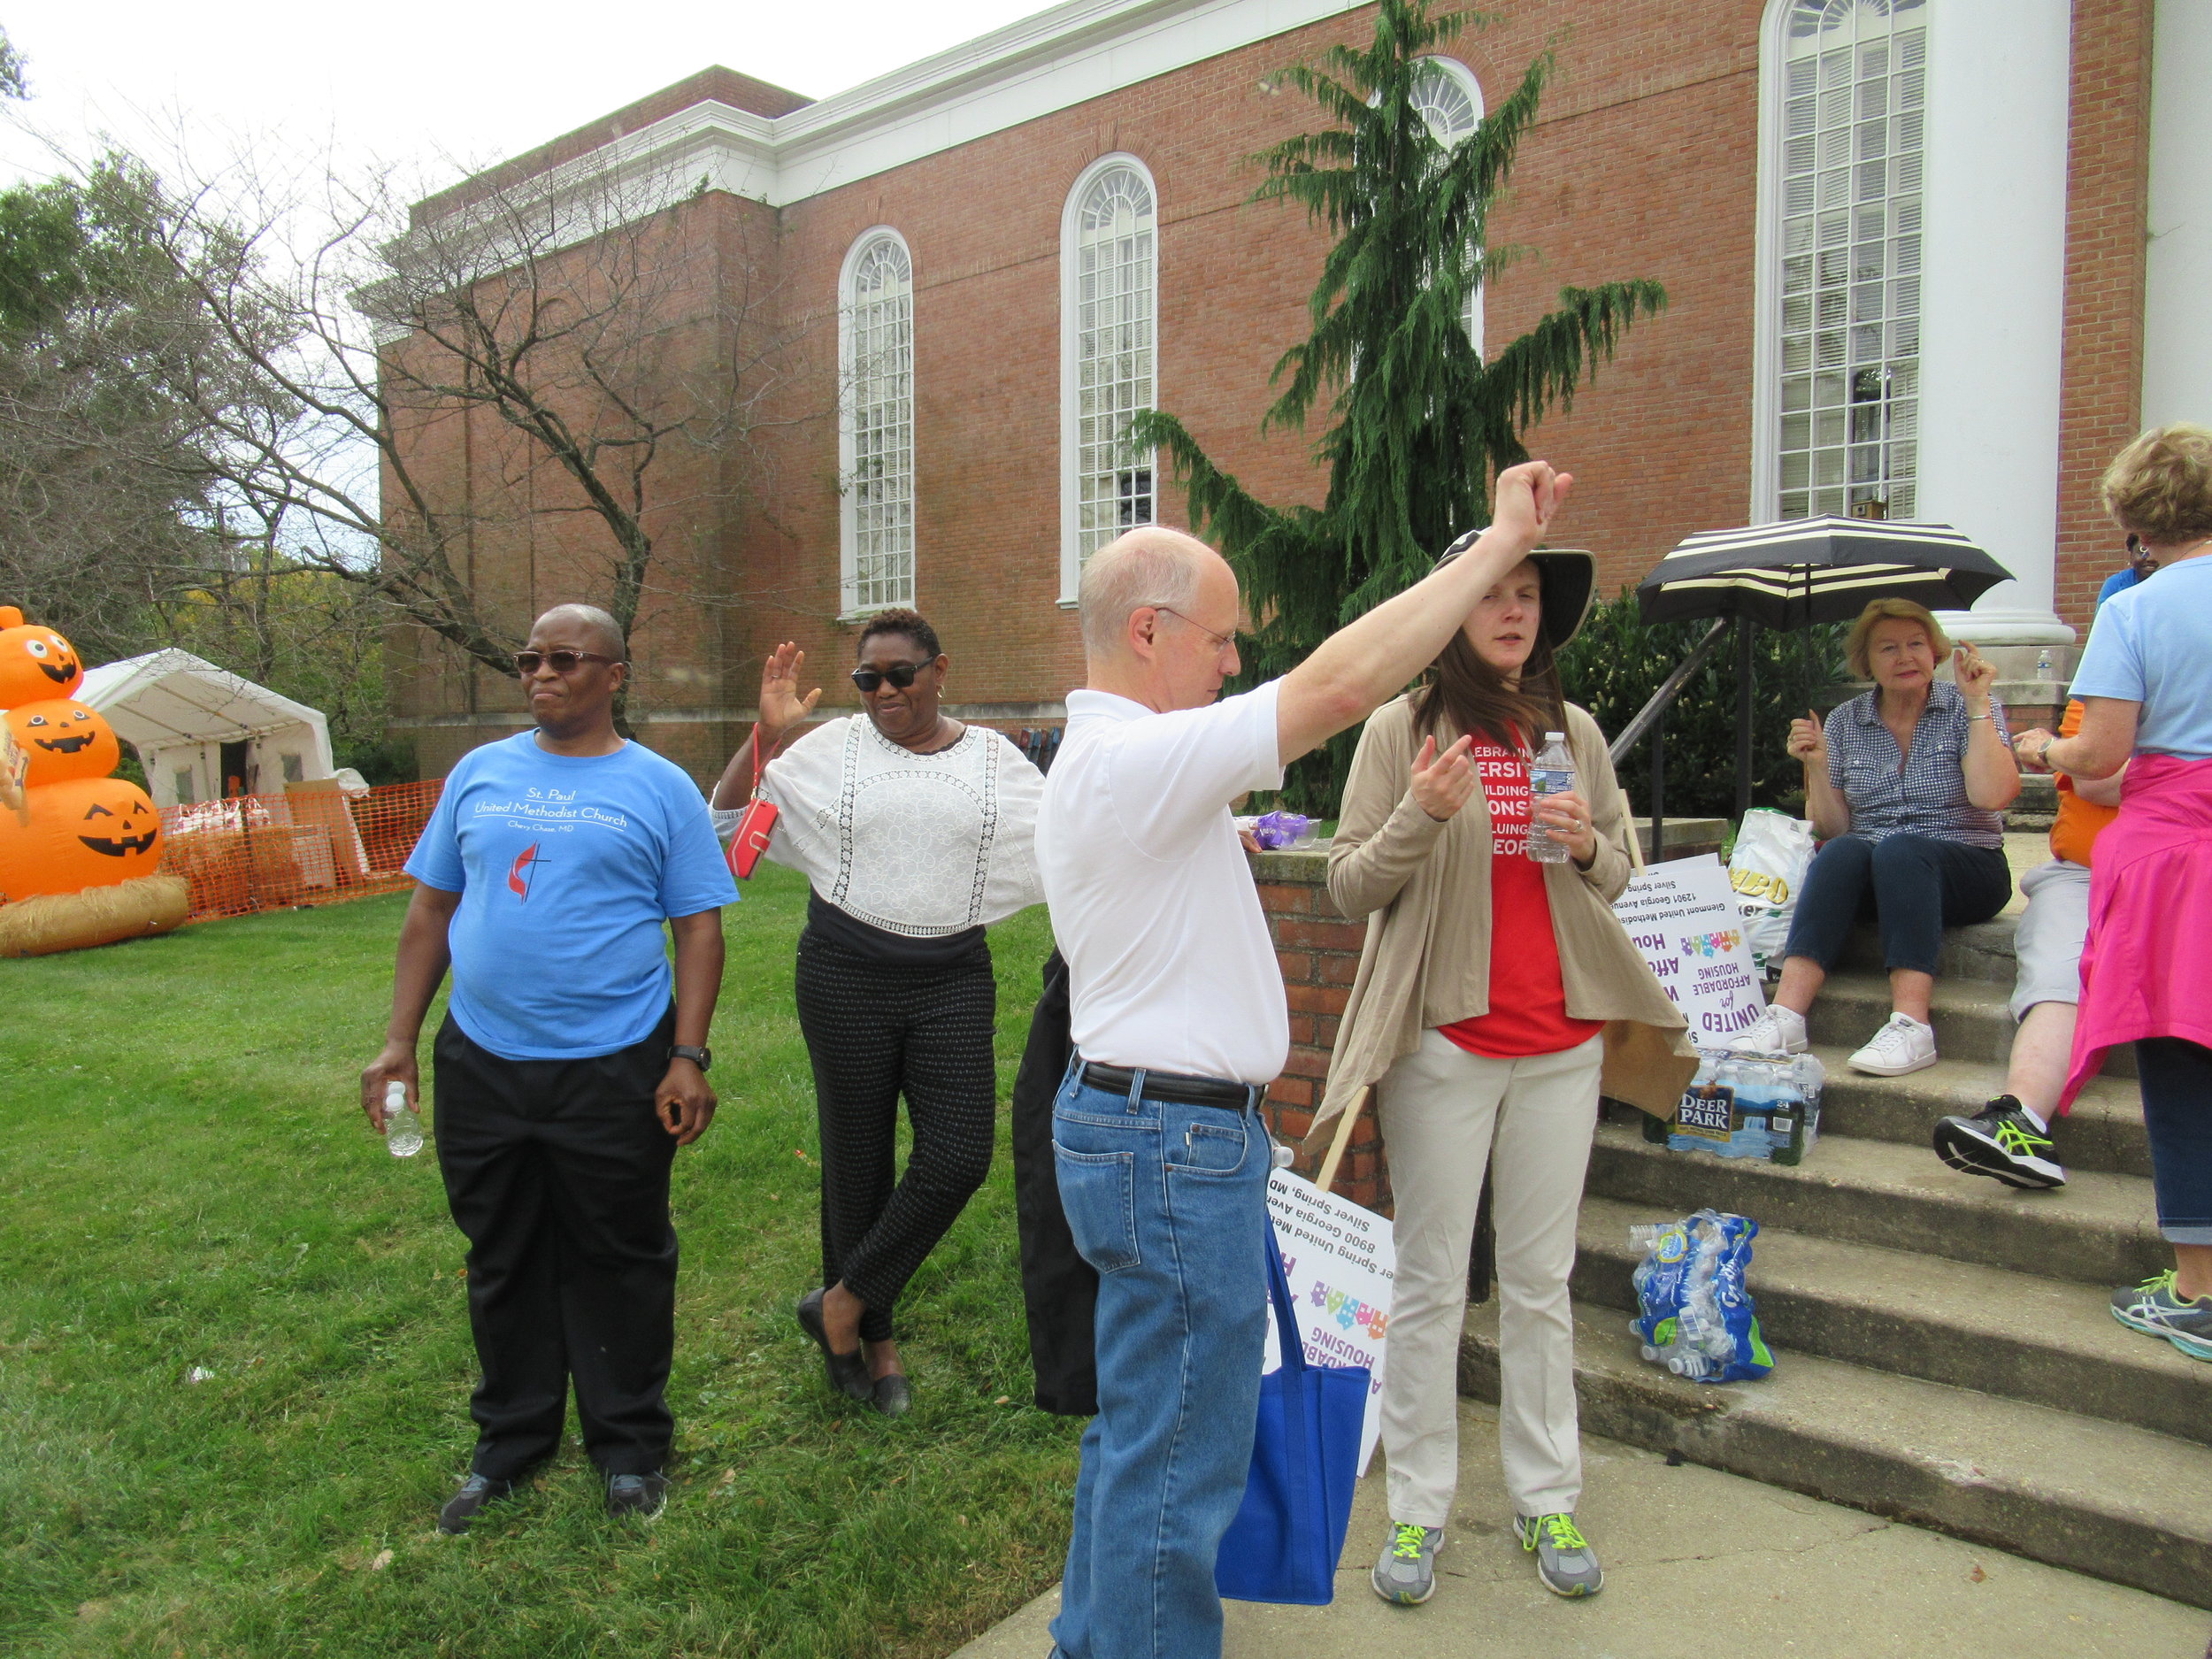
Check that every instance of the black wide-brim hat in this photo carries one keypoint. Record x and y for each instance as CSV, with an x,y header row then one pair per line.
x,y
1570,576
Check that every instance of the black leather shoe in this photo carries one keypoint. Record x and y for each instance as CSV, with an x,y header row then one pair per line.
x,y
475,1493
637,1497
848,1372
893,1397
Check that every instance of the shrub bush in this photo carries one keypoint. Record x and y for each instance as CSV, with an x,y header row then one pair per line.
x,y
1618,660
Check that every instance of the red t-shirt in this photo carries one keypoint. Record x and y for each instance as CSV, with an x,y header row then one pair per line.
x,y
1528,1004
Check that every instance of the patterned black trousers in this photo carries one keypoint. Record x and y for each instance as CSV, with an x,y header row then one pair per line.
x,y
875,1031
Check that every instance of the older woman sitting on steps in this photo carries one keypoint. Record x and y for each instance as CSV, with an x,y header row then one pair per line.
x,y
1907,786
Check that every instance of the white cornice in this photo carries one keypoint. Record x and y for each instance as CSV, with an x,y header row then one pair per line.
x,y
1073,52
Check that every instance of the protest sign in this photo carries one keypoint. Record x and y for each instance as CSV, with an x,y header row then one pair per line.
x,y
1684,916
1340,1262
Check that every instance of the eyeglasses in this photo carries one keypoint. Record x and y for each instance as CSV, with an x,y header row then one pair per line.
x,y
900,674
1222,642
563,663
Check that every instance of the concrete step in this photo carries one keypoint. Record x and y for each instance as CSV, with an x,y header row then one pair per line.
x,y
2045,1340
2099,1229
2103,1132
1970,1018
1982,952
2102,1498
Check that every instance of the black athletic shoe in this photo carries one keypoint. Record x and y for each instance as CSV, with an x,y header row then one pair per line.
x,y
2002,1142
475,1493
637,1497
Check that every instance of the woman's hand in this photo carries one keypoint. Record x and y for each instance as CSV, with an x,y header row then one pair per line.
x,y
782,707
1976,674
1524,497
2031,748
1441,783
1808,742
1567,815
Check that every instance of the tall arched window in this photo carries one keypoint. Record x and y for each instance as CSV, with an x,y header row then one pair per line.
x,y
1854,93
1110,280
1450,102
876,439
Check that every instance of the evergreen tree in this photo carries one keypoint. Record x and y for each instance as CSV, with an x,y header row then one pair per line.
x,y
1417,422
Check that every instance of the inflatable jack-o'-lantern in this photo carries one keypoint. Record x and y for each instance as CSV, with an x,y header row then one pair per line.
x,y
35,662
83,833
79,850
63,739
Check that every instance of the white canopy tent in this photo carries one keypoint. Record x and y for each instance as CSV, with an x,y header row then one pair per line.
x,y
197,727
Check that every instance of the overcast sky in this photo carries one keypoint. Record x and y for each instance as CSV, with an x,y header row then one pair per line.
x,y
446,87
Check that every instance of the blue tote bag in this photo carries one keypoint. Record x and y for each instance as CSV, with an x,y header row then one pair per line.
x,y
1284,1544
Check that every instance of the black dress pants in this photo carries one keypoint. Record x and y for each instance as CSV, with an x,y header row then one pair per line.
x,y
874,1030
557,1173
1059,1288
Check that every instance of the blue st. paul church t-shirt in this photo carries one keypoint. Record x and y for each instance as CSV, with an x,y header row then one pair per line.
x,y
566,867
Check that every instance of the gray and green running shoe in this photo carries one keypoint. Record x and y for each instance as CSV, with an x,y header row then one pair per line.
x,y
1564,1560
2002,1142
1407,1572
2153,1309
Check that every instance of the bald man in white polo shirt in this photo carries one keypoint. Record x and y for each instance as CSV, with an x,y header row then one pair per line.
x,y
1180,1025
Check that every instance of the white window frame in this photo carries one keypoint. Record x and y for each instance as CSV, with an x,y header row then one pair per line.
x,y
851,606
1463,77
1071,515
1765,505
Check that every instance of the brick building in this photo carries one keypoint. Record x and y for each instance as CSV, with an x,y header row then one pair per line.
x,y
1936,256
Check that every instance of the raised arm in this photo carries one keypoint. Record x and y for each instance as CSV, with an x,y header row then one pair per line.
x,y
1824,804
782,711
1362,666
1992,777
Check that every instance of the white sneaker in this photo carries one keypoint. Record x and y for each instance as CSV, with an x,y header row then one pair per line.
x,y
1778,1030
1902,1046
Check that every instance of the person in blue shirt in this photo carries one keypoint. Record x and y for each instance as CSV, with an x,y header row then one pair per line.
x,y
566,1076
2142,566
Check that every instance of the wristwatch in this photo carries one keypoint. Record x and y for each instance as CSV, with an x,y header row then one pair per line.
x,y
701,1057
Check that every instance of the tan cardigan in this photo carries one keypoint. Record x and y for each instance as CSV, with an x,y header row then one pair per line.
x,y
1424,885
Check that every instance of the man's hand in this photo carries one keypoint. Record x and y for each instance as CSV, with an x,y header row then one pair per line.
x,y
1975,675
396,1064
782,707
1524,497
1567,815
1809,741
684,1101
1442,783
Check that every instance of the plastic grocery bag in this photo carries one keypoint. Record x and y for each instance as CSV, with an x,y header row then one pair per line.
x,y
1773,851
1697,1318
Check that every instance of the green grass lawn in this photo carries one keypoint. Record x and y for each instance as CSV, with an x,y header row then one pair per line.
x,y
186,1182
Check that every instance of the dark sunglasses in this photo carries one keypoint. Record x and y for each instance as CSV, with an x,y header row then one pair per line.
x,y
900,674
564,662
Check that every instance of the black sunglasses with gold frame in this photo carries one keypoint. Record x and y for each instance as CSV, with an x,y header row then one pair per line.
x,y
563,663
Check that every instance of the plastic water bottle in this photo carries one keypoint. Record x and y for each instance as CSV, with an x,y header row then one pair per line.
x,y
1550,773
403,1124
2045,669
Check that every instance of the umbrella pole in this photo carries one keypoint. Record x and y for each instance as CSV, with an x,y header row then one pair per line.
x,y
1743,716
1658,789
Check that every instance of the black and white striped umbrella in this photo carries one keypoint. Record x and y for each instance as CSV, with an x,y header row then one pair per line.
x,y
1803,570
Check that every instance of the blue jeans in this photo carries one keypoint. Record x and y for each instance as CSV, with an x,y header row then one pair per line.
x,y
2177,1077
1916,885
1169,1202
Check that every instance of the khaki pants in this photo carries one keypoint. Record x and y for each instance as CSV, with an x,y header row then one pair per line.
x,y
1444,1113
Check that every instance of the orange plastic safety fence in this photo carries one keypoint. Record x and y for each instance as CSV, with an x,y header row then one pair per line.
x,y
308,845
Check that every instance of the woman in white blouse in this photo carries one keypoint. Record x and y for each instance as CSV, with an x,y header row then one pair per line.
x,y
915,832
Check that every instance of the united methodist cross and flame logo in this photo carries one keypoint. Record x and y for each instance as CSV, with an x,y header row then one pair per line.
x,y
519,873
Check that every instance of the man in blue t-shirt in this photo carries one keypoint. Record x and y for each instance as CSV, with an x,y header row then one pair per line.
x,y
566,1077
2141,566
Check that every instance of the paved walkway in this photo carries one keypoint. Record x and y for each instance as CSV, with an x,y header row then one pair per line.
x,y
1698,1564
